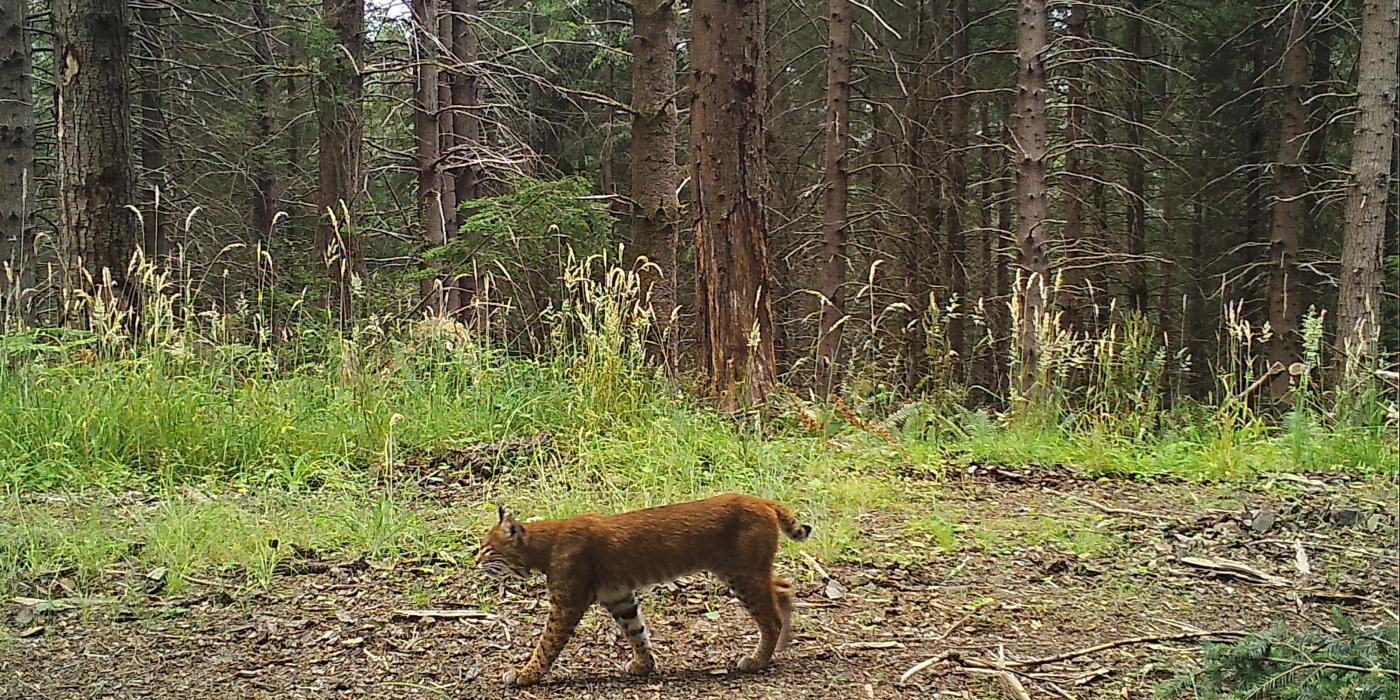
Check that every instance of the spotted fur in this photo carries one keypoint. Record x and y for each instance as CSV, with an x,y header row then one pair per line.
x,y
606,558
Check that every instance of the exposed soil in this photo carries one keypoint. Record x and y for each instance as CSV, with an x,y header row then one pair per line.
x,y
1161,560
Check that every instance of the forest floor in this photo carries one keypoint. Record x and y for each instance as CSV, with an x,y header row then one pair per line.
x,y
1016,567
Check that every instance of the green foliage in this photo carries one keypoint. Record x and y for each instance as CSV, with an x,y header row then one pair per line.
x,y
1353,663
533,221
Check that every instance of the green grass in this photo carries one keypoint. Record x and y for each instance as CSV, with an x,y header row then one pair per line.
x,y
236,447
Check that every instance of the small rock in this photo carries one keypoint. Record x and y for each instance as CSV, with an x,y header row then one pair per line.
x,y
1263,521
834,589
1344,517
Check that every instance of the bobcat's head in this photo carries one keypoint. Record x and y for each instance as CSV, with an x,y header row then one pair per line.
x,y
502,553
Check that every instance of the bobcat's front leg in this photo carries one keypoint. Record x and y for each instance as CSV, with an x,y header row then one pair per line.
x,y
565,610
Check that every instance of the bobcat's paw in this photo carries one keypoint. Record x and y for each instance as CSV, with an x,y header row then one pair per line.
x,y
519,678
641,666
749,664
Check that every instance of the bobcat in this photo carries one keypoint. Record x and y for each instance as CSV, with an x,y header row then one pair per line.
x,y
605,558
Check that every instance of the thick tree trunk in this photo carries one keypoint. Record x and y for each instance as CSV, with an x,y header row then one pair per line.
x,y
834,213
466,123
97,233
1290,183
730,172
339,92
425,126
656,207
265,165
1358,312
466,300
16,161
1032,208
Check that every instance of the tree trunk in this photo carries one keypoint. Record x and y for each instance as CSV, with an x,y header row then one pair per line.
x,y
656,207
339,91
954,264
1136,165
97,233
1032,209
1073,297
1286,346
465,122
446,124
265,165
466,301
425,126
918,283
152,178
16,161
730,172
834,215
1358,312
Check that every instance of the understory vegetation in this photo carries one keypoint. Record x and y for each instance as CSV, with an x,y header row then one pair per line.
x,y
195,442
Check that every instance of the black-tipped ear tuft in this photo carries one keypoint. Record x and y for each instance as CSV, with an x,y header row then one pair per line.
x,y
500,513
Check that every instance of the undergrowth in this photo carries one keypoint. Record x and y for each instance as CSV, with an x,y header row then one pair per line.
x,y
233,439
1349,664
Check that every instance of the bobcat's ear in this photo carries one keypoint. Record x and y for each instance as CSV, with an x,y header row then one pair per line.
x,y
508,522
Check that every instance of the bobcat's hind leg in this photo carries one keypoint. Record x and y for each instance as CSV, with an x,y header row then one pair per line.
x,y
760,599
782,589
622,605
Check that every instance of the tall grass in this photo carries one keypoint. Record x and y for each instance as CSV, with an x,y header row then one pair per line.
x,y
242,434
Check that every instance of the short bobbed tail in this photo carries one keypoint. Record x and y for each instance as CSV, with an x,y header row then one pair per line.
x,y
797,531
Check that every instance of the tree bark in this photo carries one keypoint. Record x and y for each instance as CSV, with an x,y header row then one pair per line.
x,y
152,191
1073,299
16,161
425,125
1136,165
465,122
97,233
730,172
918,282
446,124
1032,208
1290,183
835,221
1358,312
339,92
265,165
656,207
954,263
466,299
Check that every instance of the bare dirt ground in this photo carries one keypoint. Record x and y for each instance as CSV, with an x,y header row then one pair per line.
x,y
1045,565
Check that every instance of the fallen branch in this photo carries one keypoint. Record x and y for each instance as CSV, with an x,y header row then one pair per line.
x,y
1123,643
1233,568
1007,678
453,613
